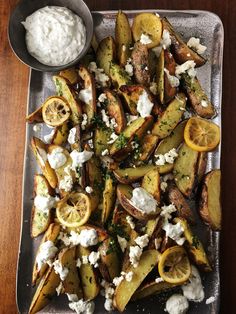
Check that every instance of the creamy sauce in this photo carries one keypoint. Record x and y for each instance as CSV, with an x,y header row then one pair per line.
x,y
54,35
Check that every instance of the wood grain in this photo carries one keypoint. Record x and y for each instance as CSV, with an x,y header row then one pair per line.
x,y
13,96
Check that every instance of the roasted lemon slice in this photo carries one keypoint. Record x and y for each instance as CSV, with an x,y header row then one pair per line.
x,y
55,111
201,135
74,210
174,266
147,24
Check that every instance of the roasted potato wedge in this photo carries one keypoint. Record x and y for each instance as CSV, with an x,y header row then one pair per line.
x,y
120,225
36,116
123,37
118,75
64,89
170,117
181,51
90,107
185,170
61,134
71,284
210,203
45,291
115,110
183,208
40,220
140,64
125,289
40,152
194,247
149,24
151,183
198,98
122,146
147,147
129,175
151,226
101,137
124,194
71,75
88,276
109,197
169,65
106,53
202,164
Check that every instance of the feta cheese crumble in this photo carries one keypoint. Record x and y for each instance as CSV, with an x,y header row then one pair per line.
x,y
165,40
113,138
89,189
135,253
71,137
194,43
79,158
193,289
145,39
66,183
168,157
72,297
173,80
204,103
56,158
129,67
177,304
102,97
210,300
109,291
60,270
163,186
174,232
142,241
84,121
144,105
47,252
86,95
100,77
187,67
130,118
59,289
44,203
130,221
105,152
88,237
143,201
122,242
166,211
159,279
82,307
94,258
78,262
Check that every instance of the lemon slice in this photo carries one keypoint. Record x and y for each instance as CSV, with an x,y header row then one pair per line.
x,y
174,266
55,111
201,135
74,210
148,24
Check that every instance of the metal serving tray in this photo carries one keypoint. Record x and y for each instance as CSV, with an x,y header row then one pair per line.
x,y
202,24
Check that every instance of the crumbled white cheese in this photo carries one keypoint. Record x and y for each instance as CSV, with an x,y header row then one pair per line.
x,y
60,270
166,211
122,242
37,127
47,252
163,186
129,67
72,297
56,158
74,238
135,253
59,289
44,203
174,232
113,138
173,80
186,67
130,118
89,189
165,40
153,88
85,259
48,138
142,241
90,142
66,183
193,289
144,105
86,95
105,152
109,291
108,305
177,304
78,262
71,137
129,276
100,77
110,123
130,221
204,103
145,39
158,280
64,238
84,121
168,157
143,201
157,243
79,158
102,97
182,109
82,307
88,237
194,43
210,300
117,280
160,161
94,258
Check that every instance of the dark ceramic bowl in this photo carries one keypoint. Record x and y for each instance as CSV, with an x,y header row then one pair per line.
x,y
16,31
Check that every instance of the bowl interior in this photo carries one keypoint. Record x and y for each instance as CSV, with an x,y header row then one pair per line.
x,y
16,30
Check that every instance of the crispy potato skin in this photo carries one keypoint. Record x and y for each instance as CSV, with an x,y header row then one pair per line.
x,y
140,64
169,64
151,183
106,53
129,175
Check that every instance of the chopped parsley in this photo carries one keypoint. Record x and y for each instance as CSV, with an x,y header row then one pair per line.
x,y
121,141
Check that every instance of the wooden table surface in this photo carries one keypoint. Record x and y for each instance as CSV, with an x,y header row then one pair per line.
x,y
13,97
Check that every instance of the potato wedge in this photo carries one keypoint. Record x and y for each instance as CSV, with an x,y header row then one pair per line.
x,y
185,170
129,175
45,291
64,89
70,75
151,288
124,194
198,98
115,110
210,203
118,75
147,147
125,289
151,183
148,24
88,276
169,65
109,197
170,117
40,220
140,64
36,116
202,164
50,235
106,53
181,51
123,37
119,225
183,208
122,146
151,226
194,247
101,137
61,134
39,149
89,107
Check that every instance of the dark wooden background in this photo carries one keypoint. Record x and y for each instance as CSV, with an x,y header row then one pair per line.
x,y
13,97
